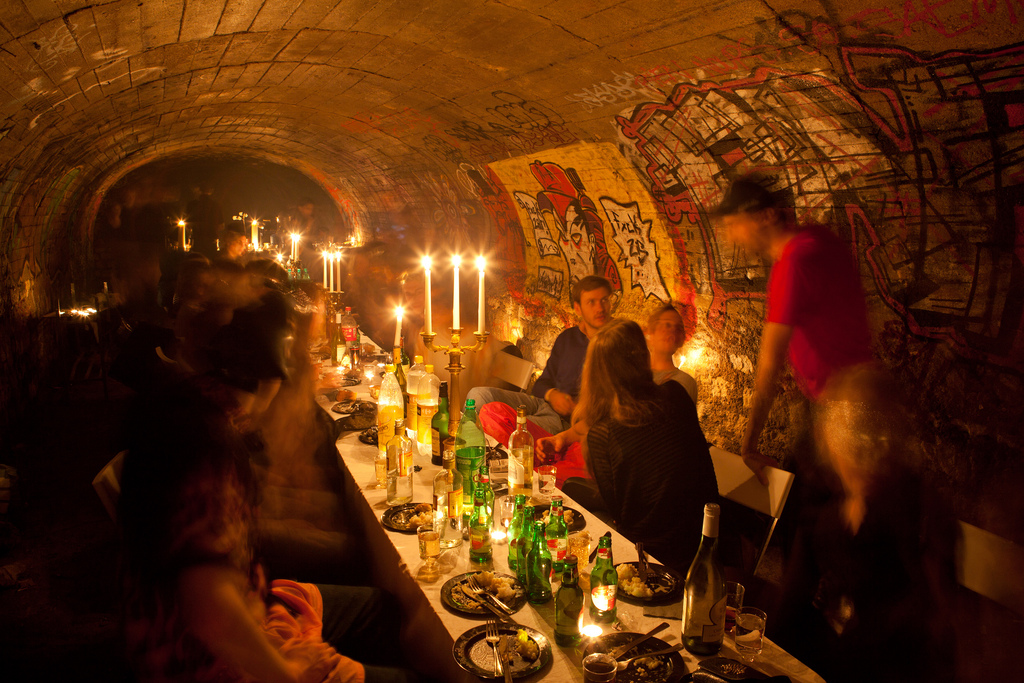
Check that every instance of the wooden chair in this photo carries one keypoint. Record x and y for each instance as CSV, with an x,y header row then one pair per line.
x,y
990,566
736,482
108,484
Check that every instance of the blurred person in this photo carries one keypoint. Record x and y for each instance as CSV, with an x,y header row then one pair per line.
x,y
197,602
644,446
233,245
553,398
666,334
875,567
206,220
817,315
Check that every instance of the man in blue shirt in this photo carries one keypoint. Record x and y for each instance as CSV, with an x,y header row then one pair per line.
x,y
554,394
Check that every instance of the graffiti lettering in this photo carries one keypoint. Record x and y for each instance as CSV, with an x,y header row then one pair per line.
x,y
546,245
624,88
633,237
550,281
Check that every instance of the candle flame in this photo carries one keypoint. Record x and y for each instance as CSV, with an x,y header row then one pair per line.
x,y
456,260
426,262
591,630
296,237
255,223
280,257
181,223
399,310
481,262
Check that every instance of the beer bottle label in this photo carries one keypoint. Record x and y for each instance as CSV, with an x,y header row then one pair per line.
x,y
603,597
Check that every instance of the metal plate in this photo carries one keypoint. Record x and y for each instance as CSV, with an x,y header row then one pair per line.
x,y
672,666
579,522
666,583
455,599
397,518
473,653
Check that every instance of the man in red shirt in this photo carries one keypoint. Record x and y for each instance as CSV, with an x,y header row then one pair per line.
x,y
816,310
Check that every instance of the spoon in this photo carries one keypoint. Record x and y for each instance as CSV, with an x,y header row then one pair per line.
x,y
626,662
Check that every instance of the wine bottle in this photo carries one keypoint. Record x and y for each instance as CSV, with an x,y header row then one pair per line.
x,y
520,464
704,592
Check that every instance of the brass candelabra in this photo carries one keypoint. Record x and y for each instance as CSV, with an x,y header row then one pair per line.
x,y
455,351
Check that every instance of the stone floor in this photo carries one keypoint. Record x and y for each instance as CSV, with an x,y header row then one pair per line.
x,y
60,622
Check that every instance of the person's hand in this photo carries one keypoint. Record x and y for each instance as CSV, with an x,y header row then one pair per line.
x,y
549,446
757,462
561,402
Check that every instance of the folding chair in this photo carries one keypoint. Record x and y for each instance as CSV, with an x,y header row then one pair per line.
x,y
511,369
990,566
736,482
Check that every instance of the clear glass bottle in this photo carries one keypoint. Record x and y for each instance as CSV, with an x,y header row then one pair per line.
x,y
426,407
470,448
479,530
439,426
520,463
557,534
389,409
337,342
412,383
400,467
349,330
538,567
568,606
704,592
448,502
604,584
515,531
396,354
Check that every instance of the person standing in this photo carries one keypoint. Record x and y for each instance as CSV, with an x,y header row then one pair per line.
x,y
206,219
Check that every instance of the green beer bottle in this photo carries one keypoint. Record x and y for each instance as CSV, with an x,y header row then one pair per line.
x,y
568,606
515,530
480,530
538,568
604,582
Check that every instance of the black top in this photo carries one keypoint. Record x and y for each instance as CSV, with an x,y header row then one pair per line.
x,y
656,478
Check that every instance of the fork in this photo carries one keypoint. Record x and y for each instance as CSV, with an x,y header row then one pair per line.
x,y
492,638
476,589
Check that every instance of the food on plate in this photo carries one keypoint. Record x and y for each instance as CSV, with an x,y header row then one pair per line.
x,y
650,666
499,586
567,515
345,395
423,514
631,583
528,649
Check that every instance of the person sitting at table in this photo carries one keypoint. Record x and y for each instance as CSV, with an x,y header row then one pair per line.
x,y
553,398
666,334
644,446
197,604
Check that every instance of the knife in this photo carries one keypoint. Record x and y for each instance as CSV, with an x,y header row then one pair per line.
x,y
593,553
619,651
504,616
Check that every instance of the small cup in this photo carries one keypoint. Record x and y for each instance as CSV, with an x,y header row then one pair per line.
x,y
599,668
733,603
546,477
749,632
430,543
579,545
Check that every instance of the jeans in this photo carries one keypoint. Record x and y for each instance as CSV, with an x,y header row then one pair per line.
x,y
538,411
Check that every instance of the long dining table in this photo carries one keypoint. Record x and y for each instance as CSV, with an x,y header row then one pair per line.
x,y
430,629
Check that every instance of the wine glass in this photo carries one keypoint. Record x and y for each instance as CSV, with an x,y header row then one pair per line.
x,y
430,546
506,509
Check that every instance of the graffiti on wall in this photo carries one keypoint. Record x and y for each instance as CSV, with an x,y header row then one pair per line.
x,y
929,207
638,251
550,281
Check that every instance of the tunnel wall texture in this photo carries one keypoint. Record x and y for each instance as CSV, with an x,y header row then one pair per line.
x,y
899,124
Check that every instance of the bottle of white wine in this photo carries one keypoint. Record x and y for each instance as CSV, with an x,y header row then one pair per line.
x,y
704,592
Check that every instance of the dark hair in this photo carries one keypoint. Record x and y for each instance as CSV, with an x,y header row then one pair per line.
x,y
589,284
616,382
753,193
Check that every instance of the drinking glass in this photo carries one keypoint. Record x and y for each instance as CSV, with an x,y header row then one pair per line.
x,y
599,668
506,508
749,632
369,372
546,476
733,603
380,470
579,545
430,545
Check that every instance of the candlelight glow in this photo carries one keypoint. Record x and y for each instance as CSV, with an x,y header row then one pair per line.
x,y
80,312
280,258
481,263
498,535
456,260
426,262
399,310
295,238
591,630
255,223
181,222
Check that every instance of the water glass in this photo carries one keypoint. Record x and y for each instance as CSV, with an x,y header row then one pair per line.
x,y
733,603
749,632
546,477
599,668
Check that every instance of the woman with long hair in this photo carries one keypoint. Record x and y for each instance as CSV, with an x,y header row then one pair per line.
x,y
643,445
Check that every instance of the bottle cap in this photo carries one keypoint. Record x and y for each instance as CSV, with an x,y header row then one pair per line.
x,y
390,367
471,403
399,424
429,367
417,359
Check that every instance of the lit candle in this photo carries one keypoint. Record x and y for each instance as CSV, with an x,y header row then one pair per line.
x,y
398,328
295,246
256,234
324,255
181,224
336,264
480,264
334,285
426,288
456,261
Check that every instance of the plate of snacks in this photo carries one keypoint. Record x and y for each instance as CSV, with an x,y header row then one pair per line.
x,y
574,519
369,436
456,595
663,585
408,517
657,669
529,650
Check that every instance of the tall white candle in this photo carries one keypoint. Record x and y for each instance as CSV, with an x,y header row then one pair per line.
x,y
256,235
426,289
398,329
181,224
480,264
336,265
456,261
324,255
